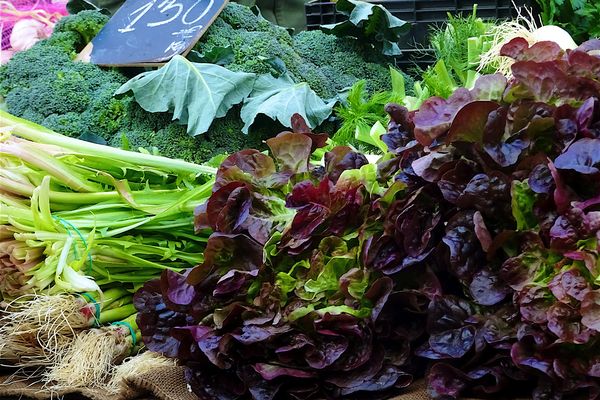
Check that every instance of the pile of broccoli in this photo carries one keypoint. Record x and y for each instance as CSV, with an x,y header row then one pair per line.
x,y
328,64
45,84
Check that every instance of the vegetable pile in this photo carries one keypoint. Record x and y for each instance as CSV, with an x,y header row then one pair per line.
x,y
283,302
276,75
82,226
453,238
467,254
66,202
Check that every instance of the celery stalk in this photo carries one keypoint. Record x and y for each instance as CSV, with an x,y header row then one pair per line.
x,y
36,133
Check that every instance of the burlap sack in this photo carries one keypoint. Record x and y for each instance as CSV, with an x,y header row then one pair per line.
x,y
166,383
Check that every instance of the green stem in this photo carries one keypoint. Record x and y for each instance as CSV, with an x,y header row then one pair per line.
x,y
132,320
113,295
116,314
49,164
74,198
36,133
121,302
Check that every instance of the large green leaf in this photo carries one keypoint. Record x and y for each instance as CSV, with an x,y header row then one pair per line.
x,y
280,98
371,22
195,93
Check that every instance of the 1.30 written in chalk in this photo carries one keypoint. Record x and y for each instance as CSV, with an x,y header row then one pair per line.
x,y
167,7
145,32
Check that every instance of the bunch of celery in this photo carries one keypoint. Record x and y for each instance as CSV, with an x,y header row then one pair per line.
x,y
76,215
81,226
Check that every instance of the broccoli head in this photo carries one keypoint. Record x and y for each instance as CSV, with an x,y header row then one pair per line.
x,y
254,41
54,54
344,61
27,67
69,42
69,124
85,23
44,85
68,91
158,135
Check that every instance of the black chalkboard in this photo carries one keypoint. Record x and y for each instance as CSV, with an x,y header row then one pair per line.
x,y
144,32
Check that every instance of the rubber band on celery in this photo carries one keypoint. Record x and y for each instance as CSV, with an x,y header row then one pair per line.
x,y
91,299
67,224
131,331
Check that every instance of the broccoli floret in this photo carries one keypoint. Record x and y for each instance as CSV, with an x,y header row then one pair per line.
x,y
67,91
344,61
17,103
69,124
86,23
26,67
160,136
240,17
67,41
255,42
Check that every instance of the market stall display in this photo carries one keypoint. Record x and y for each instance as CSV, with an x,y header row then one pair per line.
x,y
275,216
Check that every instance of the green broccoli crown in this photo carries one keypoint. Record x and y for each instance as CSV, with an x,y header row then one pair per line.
x,y
44,85
69,124
157,134
66,41
254,41
26,67
344,61
86,23
67,91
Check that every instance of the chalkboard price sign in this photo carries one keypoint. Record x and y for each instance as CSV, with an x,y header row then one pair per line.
x,y
145,32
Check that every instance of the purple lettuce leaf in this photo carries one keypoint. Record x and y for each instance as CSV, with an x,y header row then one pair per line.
x,y
583,156
435,116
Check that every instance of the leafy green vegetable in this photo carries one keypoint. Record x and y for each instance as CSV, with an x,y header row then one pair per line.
x,y
363,118
216,55
372,135
281,98
457,47
196,94
295,290
370,22
359,113
92,214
